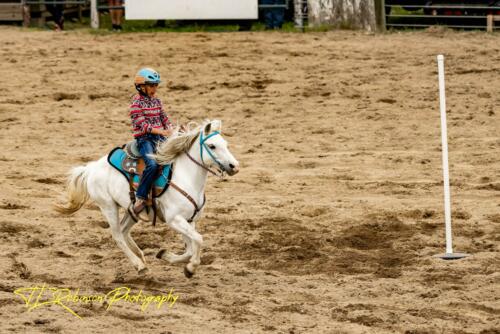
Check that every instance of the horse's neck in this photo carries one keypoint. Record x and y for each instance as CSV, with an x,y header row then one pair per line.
x,y
189,176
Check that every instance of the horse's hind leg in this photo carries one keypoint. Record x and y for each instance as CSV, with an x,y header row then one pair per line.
x,y
126,225
111,214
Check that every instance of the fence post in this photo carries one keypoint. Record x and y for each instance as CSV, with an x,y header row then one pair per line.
x,y
299,13
489,23
380,14
26,14
94,14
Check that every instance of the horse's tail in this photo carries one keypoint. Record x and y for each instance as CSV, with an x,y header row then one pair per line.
x,y
77,193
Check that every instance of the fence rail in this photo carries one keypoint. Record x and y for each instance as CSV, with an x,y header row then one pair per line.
x,y
460,16
56,2
21,10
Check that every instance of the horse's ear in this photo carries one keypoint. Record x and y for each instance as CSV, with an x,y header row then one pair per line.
x,y
207,129
217,125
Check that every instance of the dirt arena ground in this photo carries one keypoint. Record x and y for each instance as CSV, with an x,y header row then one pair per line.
x,y
333,221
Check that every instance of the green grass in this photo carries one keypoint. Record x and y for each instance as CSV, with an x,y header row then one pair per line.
x,y
149,26
170,26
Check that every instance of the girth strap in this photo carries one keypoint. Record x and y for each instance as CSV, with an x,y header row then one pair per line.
x,y
153,204
131,186
185,194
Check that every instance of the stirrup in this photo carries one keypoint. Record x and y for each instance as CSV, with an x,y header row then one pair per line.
x,y
141,215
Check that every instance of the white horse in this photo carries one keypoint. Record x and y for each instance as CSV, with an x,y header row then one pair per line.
x,y
193,154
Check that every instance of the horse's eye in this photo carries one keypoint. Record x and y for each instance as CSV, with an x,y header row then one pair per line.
x,y
212,147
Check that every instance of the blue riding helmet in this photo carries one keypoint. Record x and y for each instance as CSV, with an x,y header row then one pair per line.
x,y
147,76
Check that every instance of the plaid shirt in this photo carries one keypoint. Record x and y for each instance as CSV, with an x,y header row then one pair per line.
x,y
147,114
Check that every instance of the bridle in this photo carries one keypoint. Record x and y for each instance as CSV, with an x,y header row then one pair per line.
x,y
203,145
201,164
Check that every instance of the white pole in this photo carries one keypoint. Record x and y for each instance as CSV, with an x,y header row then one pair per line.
x,y
449,255
444,144
94,14
299,14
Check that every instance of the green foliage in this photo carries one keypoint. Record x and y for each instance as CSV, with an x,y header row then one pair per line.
x,y
398,10
258,26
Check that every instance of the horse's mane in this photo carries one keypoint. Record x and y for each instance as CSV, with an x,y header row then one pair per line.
x,y
178,143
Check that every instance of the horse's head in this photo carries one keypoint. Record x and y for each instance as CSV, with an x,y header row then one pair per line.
x,y
214,151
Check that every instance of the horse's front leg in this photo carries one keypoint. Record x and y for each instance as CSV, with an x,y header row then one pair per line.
x,y
175,258
181,225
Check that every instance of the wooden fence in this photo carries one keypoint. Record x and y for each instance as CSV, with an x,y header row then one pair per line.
x,y
33,11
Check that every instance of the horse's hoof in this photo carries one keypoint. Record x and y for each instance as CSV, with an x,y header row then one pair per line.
x,y
187,273
159,255
143,271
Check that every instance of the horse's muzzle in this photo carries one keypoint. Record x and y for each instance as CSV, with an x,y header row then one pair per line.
x,y
232,169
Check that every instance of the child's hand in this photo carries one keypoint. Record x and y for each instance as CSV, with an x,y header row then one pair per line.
x,y
168,132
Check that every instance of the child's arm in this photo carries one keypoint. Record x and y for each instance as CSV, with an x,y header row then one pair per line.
x,y
164,119
142,127
163,132
139,124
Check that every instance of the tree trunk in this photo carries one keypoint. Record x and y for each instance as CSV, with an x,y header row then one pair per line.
x,y
347,14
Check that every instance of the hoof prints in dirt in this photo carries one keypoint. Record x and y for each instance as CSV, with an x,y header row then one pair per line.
x,y
36,243
65,96
351,313
369,248
48,180
12,228
179,87
382,245
20,269
13,206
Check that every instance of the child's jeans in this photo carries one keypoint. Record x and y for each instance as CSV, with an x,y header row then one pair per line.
x,y
147,145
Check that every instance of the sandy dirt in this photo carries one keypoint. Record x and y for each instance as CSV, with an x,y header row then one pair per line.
x,y
333,221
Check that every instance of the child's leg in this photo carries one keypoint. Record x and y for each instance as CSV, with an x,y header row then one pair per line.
x,y
146,147
116,14
119,13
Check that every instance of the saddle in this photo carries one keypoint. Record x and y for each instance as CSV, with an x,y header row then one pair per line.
x,y
128,161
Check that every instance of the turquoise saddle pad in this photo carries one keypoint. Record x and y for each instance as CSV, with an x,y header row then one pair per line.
x,y
116,159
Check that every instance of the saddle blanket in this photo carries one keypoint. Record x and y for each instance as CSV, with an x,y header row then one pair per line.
x,y
128,166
